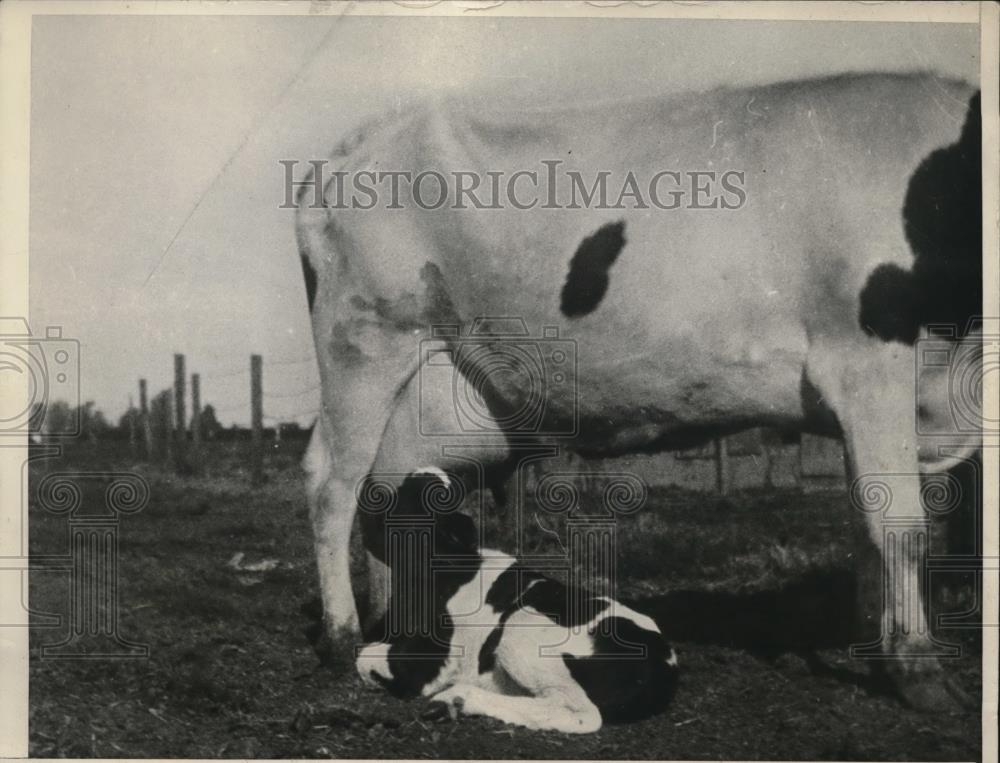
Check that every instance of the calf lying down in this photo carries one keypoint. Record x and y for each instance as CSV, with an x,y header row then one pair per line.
x,y
504,641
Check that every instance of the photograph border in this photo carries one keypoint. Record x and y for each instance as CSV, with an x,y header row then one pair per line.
x,y
15,107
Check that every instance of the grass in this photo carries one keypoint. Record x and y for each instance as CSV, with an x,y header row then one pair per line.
x,y
753,588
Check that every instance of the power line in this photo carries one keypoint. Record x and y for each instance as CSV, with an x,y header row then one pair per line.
x,y
293,362
226,375
298,414
230,371
243,141
297,393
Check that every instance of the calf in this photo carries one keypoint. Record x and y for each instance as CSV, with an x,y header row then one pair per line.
x,y
502,640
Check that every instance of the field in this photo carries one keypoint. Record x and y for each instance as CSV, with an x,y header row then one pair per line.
x,y
756,592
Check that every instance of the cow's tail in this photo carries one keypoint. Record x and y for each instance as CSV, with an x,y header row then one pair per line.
x,y
312,223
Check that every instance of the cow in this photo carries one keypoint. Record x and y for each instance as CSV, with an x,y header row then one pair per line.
x,y
796,295
497,637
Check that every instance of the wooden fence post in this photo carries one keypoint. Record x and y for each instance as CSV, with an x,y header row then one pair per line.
x,y
147,428
257,418
168,425
180,379
195,416
721,466
132,444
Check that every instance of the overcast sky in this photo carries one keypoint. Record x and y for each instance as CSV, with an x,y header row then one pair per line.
x,y
155,143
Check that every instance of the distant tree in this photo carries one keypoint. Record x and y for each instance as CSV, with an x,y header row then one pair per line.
x,y
129,424
128,420
161,416
60,417
93,424
210,425
36,418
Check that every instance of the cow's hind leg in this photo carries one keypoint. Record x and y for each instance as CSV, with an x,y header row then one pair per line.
x,y
871,389
358,399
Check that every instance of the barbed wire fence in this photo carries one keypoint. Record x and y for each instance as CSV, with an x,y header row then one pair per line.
x,y
177,438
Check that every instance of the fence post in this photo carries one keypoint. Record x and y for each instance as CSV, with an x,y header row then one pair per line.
x,y
195,416
132,445
147,428
256,418
767,457
180,379
721,466
168,425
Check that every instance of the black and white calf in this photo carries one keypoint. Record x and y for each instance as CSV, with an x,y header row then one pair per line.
x,y
501,640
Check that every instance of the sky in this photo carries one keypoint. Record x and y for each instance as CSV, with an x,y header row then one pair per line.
x,y
155,146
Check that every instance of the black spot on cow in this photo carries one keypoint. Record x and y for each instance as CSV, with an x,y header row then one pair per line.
x,y
568,607
488,651
505,593
891,304
942,219
309,274
628,676
520,586
587,280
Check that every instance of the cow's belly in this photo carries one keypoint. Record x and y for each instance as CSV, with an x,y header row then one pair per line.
x,y
617,396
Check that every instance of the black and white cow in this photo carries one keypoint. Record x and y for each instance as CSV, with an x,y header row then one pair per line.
x,y
799,304
502,640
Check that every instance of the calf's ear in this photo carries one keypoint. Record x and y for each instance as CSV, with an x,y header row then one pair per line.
x,y
410,496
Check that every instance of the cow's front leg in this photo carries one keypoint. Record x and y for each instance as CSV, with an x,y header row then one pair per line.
x,y
872,391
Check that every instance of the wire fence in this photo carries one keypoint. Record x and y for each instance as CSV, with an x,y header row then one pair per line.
x,y
162,429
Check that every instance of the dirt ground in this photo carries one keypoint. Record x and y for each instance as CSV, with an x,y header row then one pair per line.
x,y
755,591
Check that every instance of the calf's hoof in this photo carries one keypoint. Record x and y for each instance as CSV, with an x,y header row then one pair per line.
x,y
438,712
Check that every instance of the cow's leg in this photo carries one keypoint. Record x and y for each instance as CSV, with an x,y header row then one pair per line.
x,y
871,389
357,403
332,506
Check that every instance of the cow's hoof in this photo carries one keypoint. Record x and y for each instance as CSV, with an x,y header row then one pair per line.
x,y
337,652
934,693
